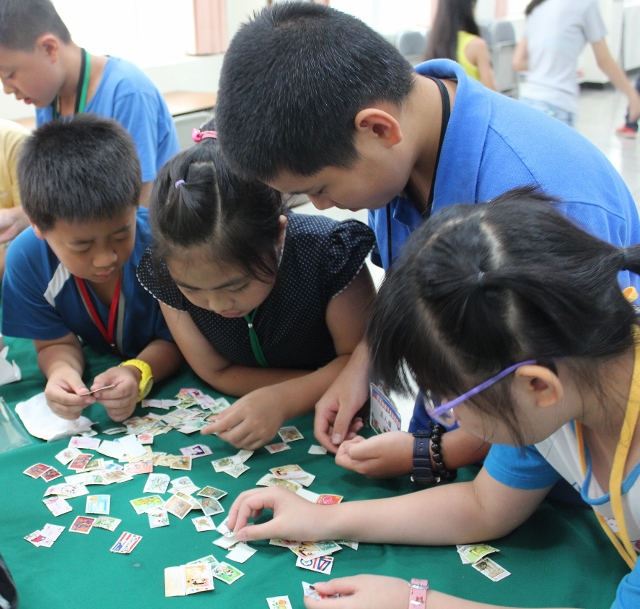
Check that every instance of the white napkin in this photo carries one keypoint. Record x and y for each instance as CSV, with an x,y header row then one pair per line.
x,y
41,422
9,372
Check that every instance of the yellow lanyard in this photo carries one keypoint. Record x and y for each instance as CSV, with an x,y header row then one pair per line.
x,y
621,542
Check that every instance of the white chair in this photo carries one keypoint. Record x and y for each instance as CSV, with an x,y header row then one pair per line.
x,y
501,38
411,43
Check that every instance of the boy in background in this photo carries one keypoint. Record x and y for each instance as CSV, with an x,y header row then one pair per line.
x,y
13,220
71,276
311,100
41,65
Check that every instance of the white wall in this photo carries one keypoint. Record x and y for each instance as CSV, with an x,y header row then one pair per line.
x,y
154,35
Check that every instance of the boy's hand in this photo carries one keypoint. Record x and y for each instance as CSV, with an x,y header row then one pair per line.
x,y
64,394
335,411
121,400
384,456
293,517
251,421
361,592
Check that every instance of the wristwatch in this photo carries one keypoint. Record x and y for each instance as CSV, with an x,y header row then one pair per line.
x,y
146,380
418,593
422,470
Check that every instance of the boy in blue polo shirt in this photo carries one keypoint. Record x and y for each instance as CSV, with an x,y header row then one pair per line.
x,y
71,276
41,65
313,101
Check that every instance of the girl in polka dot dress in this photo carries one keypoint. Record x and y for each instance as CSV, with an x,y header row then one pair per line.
x,y
265,304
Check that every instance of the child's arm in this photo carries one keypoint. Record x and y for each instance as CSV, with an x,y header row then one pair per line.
x,y
468,512
477,53
163,357
520,59
255,419
62,362
617,76
391,454
335,411
380,592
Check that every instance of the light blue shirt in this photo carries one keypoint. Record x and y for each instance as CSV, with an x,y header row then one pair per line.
x,y
127,94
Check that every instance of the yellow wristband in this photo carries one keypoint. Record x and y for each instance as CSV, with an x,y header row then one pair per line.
x,y
146,380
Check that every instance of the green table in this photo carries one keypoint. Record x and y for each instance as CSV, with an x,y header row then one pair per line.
x,y
556,558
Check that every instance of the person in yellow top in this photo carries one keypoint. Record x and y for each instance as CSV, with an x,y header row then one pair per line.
x,y
455,35
12,219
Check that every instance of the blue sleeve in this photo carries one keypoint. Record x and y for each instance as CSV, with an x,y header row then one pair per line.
x,y
25,311
139,114
628,594
129,96
523,468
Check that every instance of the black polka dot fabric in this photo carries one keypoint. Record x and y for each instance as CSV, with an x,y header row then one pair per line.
x,y
319,259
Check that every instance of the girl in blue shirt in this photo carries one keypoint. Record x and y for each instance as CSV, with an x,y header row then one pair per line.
x,y
511,321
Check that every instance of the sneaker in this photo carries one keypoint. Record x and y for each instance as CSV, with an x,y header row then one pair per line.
x,y
626,132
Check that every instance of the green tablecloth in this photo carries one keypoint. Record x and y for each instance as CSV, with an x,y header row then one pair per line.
x,y
559,558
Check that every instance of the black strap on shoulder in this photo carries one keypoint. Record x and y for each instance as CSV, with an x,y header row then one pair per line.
x,y
446,113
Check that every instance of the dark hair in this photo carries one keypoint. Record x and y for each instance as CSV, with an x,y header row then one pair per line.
x,y
293,81
481,287
23,21
236,219
77,170
451,17
531,6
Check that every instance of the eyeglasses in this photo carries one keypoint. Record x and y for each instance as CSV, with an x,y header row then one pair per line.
x,y
442,412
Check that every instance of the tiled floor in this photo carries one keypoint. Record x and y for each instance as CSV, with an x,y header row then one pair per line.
x,y
601,112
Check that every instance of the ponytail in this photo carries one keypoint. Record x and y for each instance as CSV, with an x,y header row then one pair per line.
x,y
197,202
630,259
480,287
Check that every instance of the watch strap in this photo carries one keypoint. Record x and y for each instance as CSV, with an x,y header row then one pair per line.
x,y
418,593
422,470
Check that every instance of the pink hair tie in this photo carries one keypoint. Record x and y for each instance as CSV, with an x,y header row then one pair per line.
x,y
198,136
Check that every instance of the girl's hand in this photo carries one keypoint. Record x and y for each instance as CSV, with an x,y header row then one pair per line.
x,y
121,400
64,393
252,421
361,592
384,456
293,517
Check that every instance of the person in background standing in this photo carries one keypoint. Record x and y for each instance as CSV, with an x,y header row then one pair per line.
x,y
630,128
556,31
455,35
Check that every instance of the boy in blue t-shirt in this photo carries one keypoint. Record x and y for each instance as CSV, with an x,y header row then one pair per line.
x,y
72,274
354,126
41,65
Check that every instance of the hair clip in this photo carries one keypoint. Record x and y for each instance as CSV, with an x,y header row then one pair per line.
x,y
198,136
179,182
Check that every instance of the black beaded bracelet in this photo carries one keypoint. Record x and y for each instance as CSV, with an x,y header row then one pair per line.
x,y
443,474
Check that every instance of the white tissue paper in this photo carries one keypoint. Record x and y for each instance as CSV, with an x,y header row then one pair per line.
x,y
41,422
9,372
